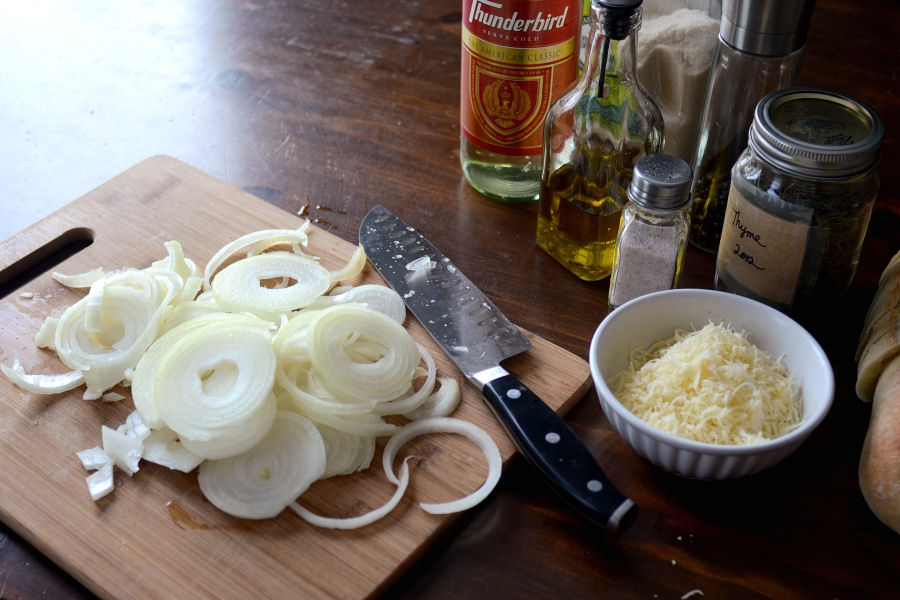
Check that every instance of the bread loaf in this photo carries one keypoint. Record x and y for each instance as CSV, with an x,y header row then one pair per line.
x,y
878,381
879,464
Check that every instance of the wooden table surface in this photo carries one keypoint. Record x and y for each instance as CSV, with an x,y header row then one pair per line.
x,y
327,108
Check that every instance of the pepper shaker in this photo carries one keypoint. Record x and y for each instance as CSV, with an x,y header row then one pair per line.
x,y
653,233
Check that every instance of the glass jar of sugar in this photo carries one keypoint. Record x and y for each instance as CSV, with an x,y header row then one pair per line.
x,y
653,231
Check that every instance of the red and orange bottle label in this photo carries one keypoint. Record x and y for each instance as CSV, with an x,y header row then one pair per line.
x,y
519,56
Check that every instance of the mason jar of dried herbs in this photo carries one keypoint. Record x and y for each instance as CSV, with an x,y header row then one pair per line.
x,y
800,200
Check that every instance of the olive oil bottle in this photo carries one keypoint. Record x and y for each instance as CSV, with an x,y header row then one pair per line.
x,y
593,136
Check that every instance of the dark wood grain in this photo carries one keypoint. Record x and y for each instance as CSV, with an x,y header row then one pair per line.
x,y
326,109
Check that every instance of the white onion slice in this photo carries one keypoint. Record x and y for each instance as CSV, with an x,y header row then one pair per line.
x,y
265,236
373,296
402,483
362,354
238,287
441,403
346,453
353,267
263,481
234,441
213,381
42,384
79,280
448,425
417,398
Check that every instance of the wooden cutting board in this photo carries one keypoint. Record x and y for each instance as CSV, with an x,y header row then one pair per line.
x,y
155,536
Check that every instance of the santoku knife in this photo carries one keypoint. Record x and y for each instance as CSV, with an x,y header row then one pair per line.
x,y
478,337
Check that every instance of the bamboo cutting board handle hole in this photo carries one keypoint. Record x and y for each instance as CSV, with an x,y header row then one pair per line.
x,y
44,259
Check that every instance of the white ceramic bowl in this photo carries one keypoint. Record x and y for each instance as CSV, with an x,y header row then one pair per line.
x,y
655,317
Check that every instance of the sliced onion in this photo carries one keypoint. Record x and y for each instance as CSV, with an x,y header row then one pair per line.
x,y
441,403
448,425
235,440
417,398
107,345
263,481
268,237
377,297
214,380
346,453
353,267
238,286
402,483
143,390
79,280
42,384
362,354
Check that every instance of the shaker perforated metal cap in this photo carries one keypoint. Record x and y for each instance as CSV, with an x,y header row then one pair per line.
x,y
766,27
660,181
816,132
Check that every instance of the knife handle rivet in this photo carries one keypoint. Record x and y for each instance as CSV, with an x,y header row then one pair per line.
x,y
594,486
552,438
514,393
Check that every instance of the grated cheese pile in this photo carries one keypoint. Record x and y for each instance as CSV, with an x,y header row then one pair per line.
x,y
712,386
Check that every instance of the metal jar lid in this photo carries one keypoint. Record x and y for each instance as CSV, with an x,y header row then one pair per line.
x,y
766,27
660,181
816,132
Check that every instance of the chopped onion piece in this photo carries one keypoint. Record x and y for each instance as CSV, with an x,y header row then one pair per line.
x,y
448,425
101,481
93,458
163,448
44,338
125,450
263,481
402,482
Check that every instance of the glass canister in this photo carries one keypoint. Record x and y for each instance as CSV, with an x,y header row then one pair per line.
x,y
760,50
654,230
801,197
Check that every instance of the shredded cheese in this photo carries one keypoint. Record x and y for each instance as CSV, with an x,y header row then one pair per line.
x,y
711,385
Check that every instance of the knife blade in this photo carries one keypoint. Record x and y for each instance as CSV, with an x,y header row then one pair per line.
x,y
477,336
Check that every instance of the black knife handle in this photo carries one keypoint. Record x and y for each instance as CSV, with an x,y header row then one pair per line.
x,y
555,451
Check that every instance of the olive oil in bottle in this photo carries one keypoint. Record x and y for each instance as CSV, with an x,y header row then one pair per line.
x,y
593,136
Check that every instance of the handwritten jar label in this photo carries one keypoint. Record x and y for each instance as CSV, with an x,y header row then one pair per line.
x,y
761,251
